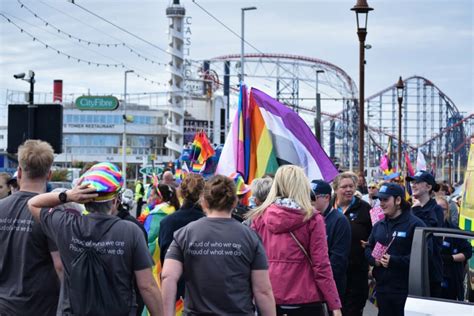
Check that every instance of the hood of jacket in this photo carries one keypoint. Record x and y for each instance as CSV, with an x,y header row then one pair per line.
x,y
281,219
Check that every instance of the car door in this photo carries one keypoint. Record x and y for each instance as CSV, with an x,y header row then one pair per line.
x,y
419,301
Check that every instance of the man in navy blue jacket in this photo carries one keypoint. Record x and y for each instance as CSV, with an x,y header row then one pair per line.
x,y
338,231
423,184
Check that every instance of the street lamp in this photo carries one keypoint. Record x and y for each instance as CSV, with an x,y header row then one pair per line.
x,y
400,87
31,106
242,41
124,136
317,120
361,9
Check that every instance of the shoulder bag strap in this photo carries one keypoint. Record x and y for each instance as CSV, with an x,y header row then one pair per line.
x,y
302,248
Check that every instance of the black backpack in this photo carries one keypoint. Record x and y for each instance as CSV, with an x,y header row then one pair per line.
x,y
93,289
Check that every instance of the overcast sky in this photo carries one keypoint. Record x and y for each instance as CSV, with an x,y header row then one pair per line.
x,y
431,38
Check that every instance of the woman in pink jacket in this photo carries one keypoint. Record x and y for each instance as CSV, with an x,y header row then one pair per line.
x,y
294,237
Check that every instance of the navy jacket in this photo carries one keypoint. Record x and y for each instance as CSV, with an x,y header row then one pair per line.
x,y
432,215
361,225
394,278
338,232
189,212
453,272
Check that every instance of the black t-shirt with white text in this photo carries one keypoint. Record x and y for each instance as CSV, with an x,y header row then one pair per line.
x,y
29,284
218,255
123,249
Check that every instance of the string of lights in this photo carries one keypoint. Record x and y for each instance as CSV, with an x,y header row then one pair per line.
x,y
79,60
95,28
120,28
90,42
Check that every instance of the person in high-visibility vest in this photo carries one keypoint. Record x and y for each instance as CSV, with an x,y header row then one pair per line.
x,y
139,194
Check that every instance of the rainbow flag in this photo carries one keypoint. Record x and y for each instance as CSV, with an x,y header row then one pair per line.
x,y
266,134
202,148
179,307
178,174
198,167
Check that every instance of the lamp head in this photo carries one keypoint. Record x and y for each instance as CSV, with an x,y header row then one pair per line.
x,y
361,9
19,76
400,87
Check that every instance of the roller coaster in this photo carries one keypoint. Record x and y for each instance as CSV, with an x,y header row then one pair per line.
x,y
430,119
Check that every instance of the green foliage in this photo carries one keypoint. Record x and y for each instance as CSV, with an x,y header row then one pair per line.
x,y
59,175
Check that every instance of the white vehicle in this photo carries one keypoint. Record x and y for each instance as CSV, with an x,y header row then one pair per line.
x,y
419,302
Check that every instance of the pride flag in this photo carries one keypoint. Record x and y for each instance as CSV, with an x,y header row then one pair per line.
x,y
265,134
409,167
202,148
198,167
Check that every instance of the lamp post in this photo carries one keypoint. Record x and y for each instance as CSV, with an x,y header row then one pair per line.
x,y
242,41
31,104
400,87
317,119
124,136
362,10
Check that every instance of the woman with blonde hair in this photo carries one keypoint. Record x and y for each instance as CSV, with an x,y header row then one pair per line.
x,y
294,237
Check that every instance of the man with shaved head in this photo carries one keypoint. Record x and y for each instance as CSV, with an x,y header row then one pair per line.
x,y
168,178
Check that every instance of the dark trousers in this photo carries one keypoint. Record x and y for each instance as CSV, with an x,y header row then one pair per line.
x,y
357,292
391,304
139,207
435,289
312,310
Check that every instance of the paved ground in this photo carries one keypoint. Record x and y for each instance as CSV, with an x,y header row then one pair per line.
x,y
370,309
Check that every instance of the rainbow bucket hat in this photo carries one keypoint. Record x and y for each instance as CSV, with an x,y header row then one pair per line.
x,y
239,182
106,178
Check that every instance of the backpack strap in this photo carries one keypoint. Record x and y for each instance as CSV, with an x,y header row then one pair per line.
x,y
113,222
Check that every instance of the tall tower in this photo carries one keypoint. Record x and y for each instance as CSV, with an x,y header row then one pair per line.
x,y
175,122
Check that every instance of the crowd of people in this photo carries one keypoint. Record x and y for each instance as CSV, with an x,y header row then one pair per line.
x,y
283,245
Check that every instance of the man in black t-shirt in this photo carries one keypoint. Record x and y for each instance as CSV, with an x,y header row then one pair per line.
x,y
29,284
120,245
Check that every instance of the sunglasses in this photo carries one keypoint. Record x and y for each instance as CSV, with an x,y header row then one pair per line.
x,y
372,187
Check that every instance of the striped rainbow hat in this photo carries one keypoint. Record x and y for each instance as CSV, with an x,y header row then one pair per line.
x,y
106,178
239,182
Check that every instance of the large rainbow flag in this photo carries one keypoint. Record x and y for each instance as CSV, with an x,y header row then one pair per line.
x,y
266,134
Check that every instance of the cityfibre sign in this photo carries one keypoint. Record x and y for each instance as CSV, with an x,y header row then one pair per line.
x,y
97,103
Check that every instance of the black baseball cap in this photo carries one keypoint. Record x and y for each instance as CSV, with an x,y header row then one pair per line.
x,y
423,176
320,187
390,189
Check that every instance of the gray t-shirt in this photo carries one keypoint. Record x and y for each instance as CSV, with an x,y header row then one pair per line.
x,y
123,248
218,255
29,284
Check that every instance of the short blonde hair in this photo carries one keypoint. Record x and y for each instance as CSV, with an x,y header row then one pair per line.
x,y
290,182
345,175
35,158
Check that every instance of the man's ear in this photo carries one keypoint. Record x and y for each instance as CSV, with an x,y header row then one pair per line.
x,y
20,173
50,174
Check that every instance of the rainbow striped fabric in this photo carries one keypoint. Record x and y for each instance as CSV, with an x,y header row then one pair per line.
x,y
266,134
198,167
106,178
201,147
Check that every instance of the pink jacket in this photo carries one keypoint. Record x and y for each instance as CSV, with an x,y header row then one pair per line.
x,y
294,280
